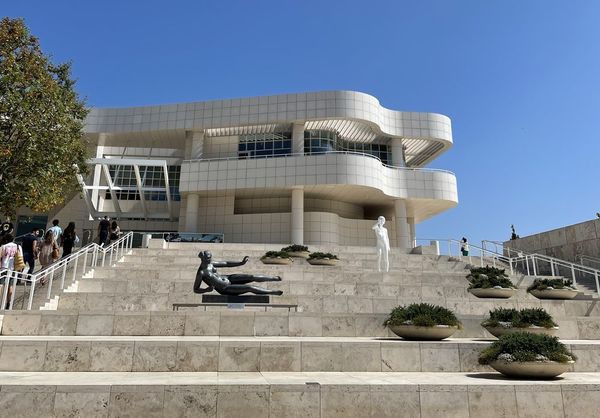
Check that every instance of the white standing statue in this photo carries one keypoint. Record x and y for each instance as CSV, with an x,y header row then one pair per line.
x,y
383,245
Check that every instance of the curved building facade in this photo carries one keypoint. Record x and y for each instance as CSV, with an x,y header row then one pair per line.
x,y
308,168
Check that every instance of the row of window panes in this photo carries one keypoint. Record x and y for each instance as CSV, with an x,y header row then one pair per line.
x,y
317,142
151,176
265,144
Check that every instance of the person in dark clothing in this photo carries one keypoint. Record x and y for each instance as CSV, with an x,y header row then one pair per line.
x,y
69,237
6,228
30,248
103,230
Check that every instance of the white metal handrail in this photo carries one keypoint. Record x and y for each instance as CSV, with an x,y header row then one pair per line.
x,y
583,258
528,263
83,260
500,248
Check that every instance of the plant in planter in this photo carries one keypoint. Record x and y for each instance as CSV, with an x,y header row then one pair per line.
x,y
504,321
490,282
296,250
523,354
323,259
553,289
422,321
276,257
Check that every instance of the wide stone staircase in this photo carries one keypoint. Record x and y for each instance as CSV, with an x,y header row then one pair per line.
x,y
114,346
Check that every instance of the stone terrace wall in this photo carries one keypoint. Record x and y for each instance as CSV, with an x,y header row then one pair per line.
x,y
565,243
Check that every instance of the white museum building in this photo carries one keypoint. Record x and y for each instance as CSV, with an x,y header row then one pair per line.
x,y
308,168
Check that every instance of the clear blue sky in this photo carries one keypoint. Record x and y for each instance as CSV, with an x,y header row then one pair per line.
x,y
519,78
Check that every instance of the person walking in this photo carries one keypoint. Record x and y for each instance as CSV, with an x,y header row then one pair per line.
x,y
30,248
69,238
56,231
11,255
115,231
103,230
49,253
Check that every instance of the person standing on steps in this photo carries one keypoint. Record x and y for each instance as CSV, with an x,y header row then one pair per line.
x,y
56,231
30,248
69,238
383,245
103,231
9,253
115,231
464,247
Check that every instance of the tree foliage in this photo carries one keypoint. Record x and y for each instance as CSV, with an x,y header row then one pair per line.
x,y
41,124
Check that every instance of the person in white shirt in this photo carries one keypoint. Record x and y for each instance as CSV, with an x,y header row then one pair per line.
x,y
56,231
8,252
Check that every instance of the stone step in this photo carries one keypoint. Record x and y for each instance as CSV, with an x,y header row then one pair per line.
x,y
302,394
317,303
255,354
405,277
276,323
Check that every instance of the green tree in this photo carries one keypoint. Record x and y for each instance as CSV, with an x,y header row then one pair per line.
x,y
41,124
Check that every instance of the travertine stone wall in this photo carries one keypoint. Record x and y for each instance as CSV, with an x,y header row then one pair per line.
x,y
565,243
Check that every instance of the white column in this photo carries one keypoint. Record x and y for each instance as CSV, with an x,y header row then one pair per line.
x,y
412,231
397,153
97,196
297,216
191,212
197,145
298,138
402,229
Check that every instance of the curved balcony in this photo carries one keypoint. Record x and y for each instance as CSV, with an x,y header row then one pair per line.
x,y
344,176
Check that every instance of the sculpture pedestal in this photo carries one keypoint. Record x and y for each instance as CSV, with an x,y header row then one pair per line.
x,y
230,299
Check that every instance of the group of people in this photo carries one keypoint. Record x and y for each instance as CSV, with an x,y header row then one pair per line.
x,y
45,249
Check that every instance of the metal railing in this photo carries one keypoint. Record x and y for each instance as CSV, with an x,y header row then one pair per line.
x,y
79,262
588,260
302,154
525,263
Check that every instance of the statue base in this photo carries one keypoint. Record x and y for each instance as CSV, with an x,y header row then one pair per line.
x,y
229,299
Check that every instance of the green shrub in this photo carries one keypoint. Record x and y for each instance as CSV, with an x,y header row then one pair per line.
x,y
276,254
488,277
525,346
543,284
320,256
295,248
422,315
511,318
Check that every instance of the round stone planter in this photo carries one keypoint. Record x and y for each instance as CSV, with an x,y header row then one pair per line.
x,y
491,292
298,254
413,332
322,261
554,293
499,331
531,369
281,261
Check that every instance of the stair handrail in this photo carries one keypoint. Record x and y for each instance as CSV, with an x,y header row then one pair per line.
x,y
582,258
510,251
529,261
99,253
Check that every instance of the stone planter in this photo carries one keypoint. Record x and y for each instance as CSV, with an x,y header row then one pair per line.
x,y
498,331
531,369
323,261
298,254
278,260
413,332
491,292
554,293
